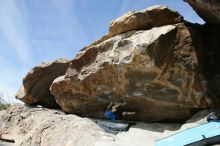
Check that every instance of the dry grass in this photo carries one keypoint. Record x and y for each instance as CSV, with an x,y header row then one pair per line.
x,y
3,103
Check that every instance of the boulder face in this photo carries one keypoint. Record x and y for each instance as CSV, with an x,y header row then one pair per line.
x,y
208,10
154,16
37,82
159,73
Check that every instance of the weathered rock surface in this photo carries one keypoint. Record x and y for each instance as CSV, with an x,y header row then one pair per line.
x,y
154,16
37,82
209,10
44,127
160,73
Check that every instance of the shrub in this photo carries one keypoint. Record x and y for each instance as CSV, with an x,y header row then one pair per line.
x,y
3,103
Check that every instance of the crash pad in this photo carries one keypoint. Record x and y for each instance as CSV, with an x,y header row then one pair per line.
x,y
192,135
113,127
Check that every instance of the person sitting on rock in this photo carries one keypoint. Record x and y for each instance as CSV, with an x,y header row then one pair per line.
x,y
212,117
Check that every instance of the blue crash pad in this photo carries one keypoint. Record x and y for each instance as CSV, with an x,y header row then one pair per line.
x,y
112,127
191,135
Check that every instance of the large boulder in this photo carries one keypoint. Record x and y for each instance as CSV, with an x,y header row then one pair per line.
x,y
159,73
154,16
37,82
208,10
158,69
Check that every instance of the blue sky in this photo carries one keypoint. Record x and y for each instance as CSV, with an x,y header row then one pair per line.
x,y
34,31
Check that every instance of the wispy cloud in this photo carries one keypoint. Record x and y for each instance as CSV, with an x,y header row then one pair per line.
x,y
13,25
124,7
8,93
9,82
68,17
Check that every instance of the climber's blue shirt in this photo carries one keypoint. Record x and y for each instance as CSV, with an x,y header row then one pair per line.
x,y
110,115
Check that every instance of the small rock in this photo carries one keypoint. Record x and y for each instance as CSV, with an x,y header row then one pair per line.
x,y
154,16
37,82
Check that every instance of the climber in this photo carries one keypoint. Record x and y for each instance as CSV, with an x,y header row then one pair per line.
x,y
212,117
113,111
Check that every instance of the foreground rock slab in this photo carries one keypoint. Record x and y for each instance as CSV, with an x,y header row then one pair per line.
x,y
37,82
32,126
44,127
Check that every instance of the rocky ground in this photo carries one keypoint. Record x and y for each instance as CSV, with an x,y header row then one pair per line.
x,y
45,127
